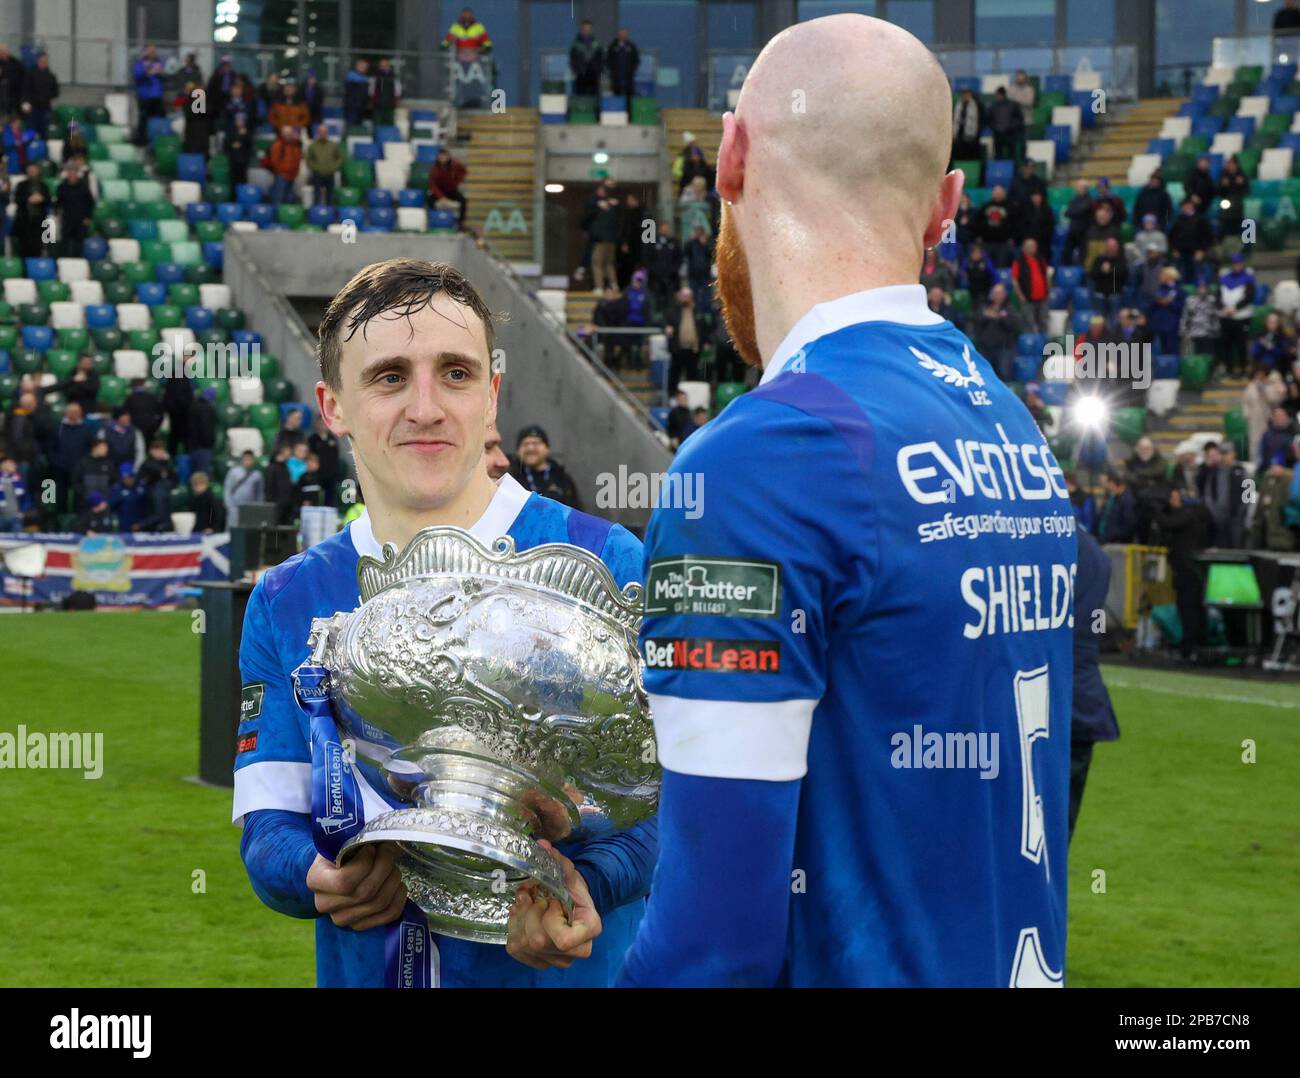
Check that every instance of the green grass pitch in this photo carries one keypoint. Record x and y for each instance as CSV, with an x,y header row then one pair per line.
x,y
1200,851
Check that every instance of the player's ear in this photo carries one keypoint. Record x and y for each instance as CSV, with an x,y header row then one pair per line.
x,y
731,159
944,210
331,411
494,388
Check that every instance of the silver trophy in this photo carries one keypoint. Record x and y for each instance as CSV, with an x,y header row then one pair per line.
x,y
500,694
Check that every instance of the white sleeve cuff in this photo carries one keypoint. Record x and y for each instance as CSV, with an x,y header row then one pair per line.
x,y
733,739
272,784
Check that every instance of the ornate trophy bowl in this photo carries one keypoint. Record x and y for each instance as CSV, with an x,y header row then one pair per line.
x,y
500,694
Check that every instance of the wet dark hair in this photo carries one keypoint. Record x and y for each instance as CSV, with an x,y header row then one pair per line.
x,y
401,285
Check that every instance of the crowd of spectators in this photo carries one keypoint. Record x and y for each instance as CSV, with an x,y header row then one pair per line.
x,y
618,61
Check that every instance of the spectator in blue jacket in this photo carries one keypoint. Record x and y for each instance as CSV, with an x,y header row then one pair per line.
x,y
1275,347
14,501
1118,520
1167,312
127,499
148,76
356,93
1277,446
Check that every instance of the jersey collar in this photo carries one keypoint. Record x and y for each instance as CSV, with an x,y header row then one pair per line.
x,y
902,303
495,522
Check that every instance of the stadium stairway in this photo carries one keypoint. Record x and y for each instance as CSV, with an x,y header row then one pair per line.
x,y
706,126
1199,412
1127,134
579,308
500,155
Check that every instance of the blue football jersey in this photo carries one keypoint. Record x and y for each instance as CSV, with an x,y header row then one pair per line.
x,y
273,765
872,601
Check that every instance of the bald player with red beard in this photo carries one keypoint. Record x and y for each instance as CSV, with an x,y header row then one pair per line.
x,y
859,654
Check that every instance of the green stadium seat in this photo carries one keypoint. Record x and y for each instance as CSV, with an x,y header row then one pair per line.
x,y
360,174
1194,371
202,274
53,291
33,314
173,231
61,362
131,170
7,313
142,340
12,267
1249,161
167,316
1261,312
8,390
231,415
183,294
102,359
210,337
112,228
726,393
219,168
26,361
264,417
961,300
291,214
1128,424
76,338
189,253
155,251
277,390
136,272
218,191
119,291
209,231
229,318
112,390
1193,145
8,338
348,196
1273,234
109,339
97,114
972,170
267,366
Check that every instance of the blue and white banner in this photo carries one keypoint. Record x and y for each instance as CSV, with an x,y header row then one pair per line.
x,y
129,570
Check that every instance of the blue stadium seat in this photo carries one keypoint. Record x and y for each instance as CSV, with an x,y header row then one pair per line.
x,y
1285,104
143,229
1081,298
1166,366
1069,277
1261,292
169,273
442,219
42,269
151,293
410,196
199,318
4,361
94,248
967,82
191,167
1191,110
297,406
1054,393
1058,84
1242,125
1030,344
248,194
246,338
212,253
613,103
1060,135
659,413
38,338
999,174
1084,100
355,214
1216,163
335,112
1058,299
199,211
383,218
367,151
1290,140
321,216
427,154
1163,146
101,316
37,150
158,125
1283,73
262,214
387,133
1079,322
230,211
422,117
377,196
1025,368
1207,127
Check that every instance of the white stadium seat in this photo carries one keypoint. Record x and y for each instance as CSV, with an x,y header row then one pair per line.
x,y
1057,323
1295,124
73,269
66,315
411,219
399,153
185,191
1141,167
1086,80
1162,396
1070,116
1275,164
1176,127
129,363
1286,297
245,391
19,290
243,226
124,250
239,439
119,108
1220,75
1227,143
1043,150
614,119
989,83
390,175
87,292
1254,106
133,316
697,394
178,340
214,296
